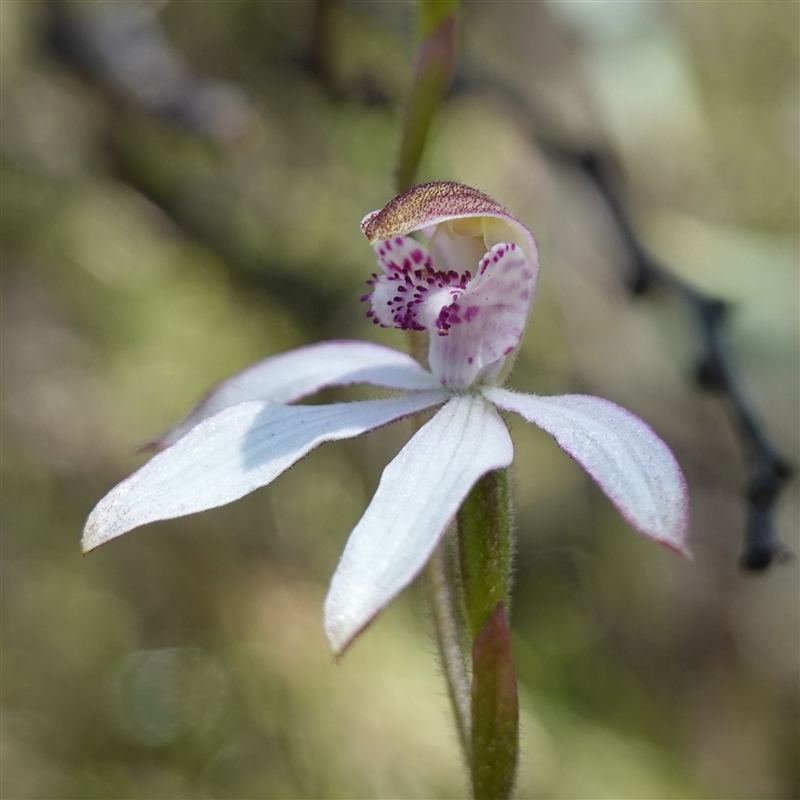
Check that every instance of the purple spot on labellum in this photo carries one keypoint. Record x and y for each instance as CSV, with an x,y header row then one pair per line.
x,y
472,312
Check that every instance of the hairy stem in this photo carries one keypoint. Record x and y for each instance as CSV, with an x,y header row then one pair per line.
x,y
495,710
448,638
485,550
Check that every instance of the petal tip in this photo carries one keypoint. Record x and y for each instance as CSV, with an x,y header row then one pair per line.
x,y
339,635
678,546
343,626
673,536
91,538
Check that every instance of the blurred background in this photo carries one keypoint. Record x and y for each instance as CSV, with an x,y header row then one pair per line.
x,y
181,190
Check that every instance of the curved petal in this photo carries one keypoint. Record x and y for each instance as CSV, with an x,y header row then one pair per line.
x,y
487,321
232,453
629,462
288,377
419,493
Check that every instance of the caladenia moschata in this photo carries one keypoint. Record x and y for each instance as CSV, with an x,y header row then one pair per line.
x,y
467,277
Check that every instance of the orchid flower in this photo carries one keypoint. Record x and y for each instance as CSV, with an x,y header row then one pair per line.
x,y
468,278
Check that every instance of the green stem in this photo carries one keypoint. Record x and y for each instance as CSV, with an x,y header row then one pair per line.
x,y
448,639
432,75
485,548
495,711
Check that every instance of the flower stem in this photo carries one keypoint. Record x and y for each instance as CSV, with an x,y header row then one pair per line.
x,y
495,711
432,75
485,548
448,639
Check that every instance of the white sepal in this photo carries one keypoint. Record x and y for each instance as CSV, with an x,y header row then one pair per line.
x,y
629,462
232,453
288,377
420,491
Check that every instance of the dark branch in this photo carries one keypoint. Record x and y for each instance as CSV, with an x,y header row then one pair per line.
x,y
716,368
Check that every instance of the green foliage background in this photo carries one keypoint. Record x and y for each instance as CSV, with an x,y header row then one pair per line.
x,y
142,262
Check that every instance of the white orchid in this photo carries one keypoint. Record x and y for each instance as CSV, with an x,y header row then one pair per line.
x,y
471,288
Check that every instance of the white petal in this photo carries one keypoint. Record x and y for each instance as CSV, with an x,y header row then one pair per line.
x,y
419,493
629,462
232,453
290,376
487,321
